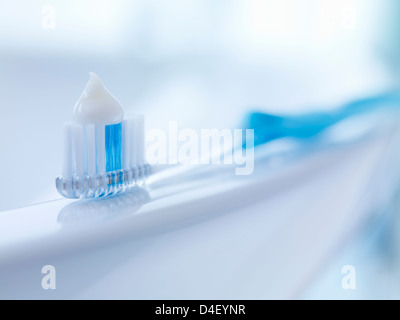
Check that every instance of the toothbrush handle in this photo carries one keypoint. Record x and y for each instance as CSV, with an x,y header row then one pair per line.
x,y
268,127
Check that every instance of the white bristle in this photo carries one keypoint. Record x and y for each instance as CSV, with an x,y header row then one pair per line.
x,y
79,151
67,165
138,134
126,141
132,142
100,148
90,143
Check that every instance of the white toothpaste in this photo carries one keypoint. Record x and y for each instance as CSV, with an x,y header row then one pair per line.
x,y
96,105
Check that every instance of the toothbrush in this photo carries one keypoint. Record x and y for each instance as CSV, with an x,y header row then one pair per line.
x,y
270,127
104,153
100,156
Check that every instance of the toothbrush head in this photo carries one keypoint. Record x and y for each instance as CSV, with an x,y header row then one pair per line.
x,y
103,152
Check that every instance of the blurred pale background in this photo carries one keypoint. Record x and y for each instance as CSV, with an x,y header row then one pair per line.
x,y
200,62
203,63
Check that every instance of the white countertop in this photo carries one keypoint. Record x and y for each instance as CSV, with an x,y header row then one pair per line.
x,y
269,235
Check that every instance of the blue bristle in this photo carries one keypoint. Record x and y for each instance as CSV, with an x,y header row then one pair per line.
x,y
113,137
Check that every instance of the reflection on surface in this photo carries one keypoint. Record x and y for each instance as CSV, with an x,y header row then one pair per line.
x,y
100,210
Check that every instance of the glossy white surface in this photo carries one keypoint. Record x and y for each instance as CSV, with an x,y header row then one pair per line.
x,y
263,236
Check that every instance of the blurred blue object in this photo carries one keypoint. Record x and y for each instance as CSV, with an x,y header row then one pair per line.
x,y
268,127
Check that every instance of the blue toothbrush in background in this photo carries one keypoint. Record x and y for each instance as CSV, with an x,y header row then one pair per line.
x,y
268,127
302,129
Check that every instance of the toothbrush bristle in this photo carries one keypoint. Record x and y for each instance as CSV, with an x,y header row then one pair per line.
x,y
126,144
101,160
138,132
67,169
79,150
100,148
90,143
131,146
